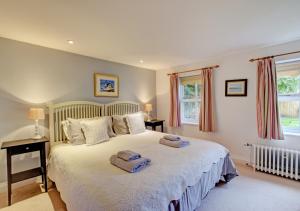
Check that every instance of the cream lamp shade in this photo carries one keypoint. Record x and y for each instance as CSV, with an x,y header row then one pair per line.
x,y
36,114
148,107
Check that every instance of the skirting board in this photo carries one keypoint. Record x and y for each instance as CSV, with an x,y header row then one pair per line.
x,y
239,159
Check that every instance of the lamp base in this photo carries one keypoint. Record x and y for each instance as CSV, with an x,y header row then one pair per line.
x,y
148,117
37,137
36,130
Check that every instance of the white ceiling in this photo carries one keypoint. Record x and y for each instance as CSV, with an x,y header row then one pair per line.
x,y
163,33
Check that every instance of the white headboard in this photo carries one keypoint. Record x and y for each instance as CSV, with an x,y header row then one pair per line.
x,y
121,108
83,109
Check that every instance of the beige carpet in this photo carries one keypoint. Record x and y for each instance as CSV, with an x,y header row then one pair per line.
x,y
248,192
40,202
31,198
254,192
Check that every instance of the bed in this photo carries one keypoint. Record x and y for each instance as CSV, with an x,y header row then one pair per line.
x,y
177,179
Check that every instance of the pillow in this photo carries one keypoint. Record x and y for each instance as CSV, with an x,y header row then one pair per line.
x,y
75,134
78,136
66,128
136,123
120,125
95,131
109,123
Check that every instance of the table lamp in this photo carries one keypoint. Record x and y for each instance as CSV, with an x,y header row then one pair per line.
x,y
36,114
148,109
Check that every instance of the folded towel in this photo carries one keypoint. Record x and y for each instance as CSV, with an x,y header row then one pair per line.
x,y
176,144
128,155
130,166
172,138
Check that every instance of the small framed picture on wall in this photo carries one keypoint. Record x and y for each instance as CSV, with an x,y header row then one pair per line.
x,y
236,88
106,85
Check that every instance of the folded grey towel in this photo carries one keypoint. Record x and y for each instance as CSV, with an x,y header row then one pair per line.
x,y
128,155
130,166
172,138
176,144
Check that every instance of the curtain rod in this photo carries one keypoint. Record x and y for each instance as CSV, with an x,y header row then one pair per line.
x,y
210,67
266,57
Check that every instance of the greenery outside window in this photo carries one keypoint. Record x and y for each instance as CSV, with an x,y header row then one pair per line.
x,y
288,86
190,88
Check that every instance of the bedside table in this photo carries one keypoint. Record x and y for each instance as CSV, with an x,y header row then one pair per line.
x,y
154,123
23,146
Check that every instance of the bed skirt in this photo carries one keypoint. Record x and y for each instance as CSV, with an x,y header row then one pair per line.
x,y
224,170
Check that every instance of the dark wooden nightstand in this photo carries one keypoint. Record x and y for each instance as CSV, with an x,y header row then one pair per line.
x,y
23,146
154,123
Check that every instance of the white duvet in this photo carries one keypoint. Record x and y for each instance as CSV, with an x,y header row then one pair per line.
x,y
88,182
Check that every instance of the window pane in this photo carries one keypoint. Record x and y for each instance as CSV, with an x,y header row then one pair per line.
x,y
199,90
289,114
190,112
189,91
288,82
189,99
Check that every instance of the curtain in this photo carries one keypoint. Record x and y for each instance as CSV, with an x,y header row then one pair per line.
x,y
174,120
206,118
268,122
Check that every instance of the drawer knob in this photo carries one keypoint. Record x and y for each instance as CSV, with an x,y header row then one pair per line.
x,y
27,148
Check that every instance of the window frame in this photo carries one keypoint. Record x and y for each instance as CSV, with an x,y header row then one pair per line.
x,y
288,98
182,101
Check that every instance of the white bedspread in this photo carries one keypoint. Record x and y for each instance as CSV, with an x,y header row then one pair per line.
x,y
88,182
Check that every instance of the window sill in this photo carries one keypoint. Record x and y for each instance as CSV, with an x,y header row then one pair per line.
x,y
189,123
291,134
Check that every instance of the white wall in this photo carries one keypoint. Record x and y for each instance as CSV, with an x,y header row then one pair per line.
x,y
235,116
35,76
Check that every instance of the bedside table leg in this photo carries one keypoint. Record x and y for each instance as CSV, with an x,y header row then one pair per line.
x,y
162,127
44,168
9,177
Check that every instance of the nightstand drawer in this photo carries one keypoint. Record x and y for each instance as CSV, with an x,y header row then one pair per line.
x,y
25,148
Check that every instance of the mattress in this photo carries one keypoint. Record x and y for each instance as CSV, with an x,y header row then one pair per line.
x,y
87,181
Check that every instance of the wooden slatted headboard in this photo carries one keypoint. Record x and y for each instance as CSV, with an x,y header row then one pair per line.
x,y
73,109
83,109
121,108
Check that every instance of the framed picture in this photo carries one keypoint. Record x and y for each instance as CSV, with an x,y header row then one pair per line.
x,y
236,88
106,85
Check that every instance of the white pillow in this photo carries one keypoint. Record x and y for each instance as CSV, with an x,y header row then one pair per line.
x,y
76,136
110,131
95,131
66,128
136,123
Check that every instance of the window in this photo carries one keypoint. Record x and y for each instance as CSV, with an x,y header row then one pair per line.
x,y
190,99
288,86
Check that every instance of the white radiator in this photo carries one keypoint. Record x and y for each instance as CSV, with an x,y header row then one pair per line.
x,y
276,160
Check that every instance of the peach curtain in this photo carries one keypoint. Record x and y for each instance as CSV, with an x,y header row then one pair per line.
x,y
268,122
174,120
206,118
